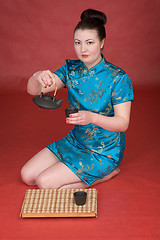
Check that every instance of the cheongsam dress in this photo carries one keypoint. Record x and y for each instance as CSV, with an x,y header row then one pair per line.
x,y
90,151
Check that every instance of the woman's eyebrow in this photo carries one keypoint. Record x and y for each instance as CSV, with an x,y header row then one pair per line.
x,y
85,40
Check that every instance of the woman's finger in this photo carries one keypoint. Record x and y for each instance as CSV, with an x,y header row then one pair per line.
x,y
73,115
51,78
42,81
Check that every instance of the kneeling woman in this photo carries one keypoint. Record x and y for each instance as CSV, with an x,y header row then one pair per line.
x,y
93,150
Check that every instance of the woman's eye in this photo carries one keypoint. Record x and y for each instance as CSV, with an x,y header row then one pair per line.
x,y
76,43
89,43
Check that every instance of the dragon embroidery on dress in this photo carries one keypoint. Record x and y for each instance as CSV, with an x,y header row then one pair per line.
x,y
95,94
115,138
72,73
101,147
105,172
107,110
76,102
90,133
85,169
72,83
115,79
115,97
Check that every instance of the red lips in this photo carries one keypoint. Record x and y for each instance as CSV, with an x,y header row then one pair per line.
x,y
84,55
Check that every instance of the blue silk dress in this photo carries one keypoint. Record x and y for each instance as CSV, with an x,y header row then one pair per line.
x,y
90,151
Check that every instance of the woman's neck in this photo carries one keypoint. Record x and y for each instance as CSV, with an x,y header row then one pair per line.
x,y
89,66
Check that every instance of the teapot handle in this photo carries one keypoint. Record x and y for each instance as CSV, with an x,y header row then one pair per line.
x,y
55,91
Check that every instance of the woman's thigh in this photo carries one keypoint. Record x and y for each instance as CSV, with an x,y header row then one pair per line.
x,y
37,164
56,176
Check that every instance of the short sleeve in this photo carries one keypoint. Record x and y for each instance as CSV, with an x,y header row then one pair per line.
x,y
61,73
122,90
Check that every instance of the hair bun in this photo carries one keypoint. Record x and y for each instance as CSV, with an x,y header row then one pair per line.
x,y
94,14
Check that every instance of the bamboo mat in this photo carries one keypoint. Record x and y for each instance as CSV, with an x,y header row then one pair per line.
x,y
58,203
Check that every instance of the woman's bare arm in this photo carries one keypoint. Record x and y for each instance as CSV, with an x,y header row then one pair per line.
x,y
43,81
118,123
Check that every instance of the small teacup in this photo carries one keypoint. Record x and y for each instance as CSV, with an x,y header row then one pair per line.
x,y
80,197
68,111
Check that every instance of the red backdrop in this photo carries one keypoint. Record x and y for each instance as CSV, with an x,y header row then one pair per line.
x,y
38,34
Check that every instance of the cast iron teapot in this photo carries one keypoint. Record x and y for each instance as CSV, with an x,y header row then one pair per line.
x,y
46,101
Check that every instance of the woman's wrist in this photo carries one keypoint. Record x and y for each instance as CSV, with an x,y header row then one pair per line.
x,y
94,118
33,86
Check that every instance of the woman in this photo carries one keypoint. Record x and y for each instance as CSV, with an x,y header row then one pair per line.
x,y
93,150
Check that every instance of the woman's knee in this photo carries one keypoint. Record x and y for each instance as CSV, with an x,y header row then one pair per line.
x,y
40,182
43,181
26,177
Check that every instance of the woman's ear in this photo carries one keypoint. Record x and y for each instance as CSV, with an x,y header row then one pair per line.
x,y
102,43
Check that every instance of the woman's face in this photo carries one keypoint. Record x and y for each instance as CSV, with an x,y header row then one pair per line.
x,y
88,46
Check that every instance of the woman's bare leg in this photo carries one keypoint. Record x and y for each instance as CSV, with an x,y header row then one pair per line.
x,y
41,161
56,176
84,185
46,171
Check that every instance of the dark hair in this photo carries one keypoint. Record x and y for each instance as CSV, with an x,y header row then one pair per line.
x,y
93,19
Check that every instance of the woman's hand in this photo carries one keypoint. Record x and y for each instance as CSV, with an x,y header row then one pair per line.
x,y
118,123
45,78
43,81
80,118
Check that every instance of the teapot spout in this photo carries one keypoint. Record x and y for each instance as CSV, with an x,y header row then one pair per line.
x,y
59,102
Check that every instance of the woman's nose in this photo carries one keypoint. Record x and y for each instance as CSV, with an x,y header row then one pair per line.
x,y
83,48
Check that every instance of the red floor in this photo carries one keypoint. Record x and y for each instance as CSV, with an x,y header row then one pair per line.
x,y
128,205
